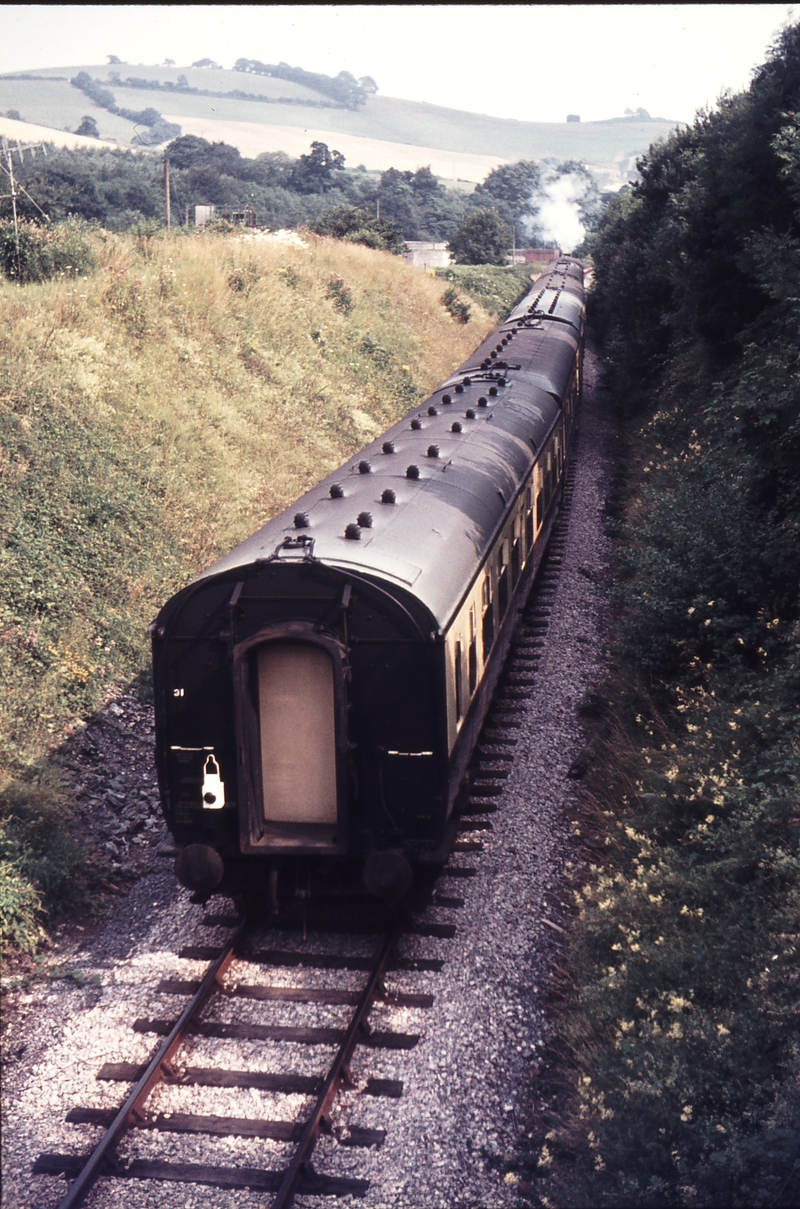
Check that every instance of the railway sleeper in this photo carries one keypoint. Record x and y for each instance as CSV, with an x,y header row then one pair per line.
x,y
237,1127
289,1083
254,1178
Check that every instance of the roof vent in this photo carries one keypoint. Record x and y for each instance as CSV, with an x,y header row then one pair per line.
x,y
416,424
337,491
365,520
364,468
412,472
501,381
459,389
493,353
456,426
301,520
483,401
493,391
467,381
388,496
432,411
447,398
353,532
433,451
388,446
470,413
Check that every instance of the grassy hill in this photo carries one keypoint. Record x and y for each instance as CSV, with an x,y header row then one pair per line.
x,y
51,100
156,409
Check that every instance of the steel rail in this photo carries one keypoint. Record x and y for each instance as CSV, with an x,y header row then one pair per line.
x,y
156,1069
337,1075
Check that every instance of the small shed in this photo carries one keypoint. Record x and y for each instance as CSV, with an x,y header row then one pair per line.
x,y
424,255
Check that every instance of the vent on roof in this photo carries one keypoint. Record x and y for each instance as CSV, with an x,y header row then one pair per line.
x,y
337,491
388,446
432,411
353,532
365,520
447,398
483,401
456,426
469,413
412,472
416,424
433,451
301,520
364,468
388,496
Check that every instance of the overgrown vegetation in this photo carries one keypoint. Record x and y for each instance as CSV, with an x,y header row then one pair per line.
x,y
679,1038
37,253
153,413
496,288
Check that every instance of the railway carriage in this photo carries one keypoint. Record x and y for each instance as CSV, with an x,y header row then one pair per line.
x,y
319,690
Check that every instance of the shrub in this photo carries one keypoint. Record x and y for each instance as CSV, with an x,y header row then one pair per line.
x,y
66,249
457,307
339,294
43,870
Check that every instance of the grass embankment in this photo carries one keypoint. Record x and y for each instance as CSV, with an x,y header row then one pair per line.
x,y
153,412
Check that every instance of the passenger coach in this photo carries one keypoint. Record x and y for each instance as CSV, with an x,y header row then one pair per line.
x,y
319,690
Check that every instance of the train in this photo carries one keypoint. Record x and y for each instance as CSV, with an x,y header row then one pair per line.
x,y
320,689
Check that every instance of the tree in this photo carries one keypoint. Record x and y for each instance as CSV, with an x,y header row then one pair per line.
x,y
113,59
88,127
482,238
313,173
510,190
368,85
207,63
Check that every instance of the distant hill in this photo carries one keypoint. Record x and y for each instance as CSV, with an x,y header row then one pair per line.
x,y
197,95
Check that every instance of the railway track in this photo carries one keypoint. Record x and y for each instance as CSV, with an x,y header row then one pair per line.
x,y
307,939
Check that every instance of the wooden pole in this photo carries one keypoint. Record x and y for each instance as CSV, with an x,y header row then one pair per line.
x,y
166,190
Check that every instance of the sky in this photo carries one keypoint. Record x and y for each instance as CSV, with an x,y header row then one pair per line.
x,y
534,62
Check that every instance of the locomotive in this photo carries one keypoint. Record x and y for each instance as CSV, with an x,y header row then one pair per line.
x,y
320,689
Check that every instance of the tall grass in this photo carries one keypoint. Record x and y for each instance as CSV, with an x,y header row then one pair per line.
x,y
154,413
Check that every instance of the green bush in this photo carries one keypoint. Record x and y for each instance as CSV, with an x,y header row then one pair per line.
x,y
457,307
36,253
43,868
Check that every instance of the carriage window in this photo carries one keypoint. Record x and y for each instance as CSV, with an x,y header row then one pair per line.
x,y
459,687
539,510
488,616
502,580
298,733
515,552
473,652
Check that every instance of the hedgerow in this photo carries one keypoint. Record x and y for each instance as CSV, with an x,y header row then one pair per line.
x,y
675,1054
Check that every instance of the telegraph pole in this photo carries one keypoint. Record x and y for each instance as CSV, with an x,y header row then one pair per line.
x,y
166,190
17,189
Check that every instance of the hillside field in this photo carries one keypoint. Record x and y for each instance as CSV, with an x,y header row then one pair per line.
x,y
609,147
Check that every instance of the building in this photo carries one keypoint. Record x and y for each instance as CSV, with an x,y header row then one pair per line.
x,y
424,255
534,255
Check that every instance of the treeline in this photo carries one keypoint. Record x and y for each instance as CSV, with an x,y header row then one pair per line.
x,y
119,189
157,129
344,89
680,1029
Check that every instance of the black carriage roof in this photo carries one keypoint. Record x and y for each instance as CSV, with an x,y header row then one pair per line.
x,y
441,523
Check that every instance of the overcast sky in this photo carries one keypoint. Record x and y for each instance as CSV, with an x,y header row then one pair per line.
x,y
532,62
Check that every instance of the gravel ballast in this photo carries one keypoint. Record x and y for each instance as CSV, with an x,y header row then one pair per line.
x,y
469,1082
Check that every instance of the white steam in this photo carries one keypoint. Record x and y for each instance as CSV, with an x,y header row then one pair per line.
x,y
556,207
